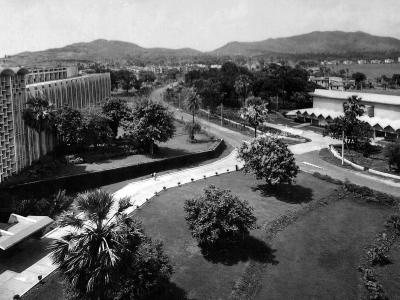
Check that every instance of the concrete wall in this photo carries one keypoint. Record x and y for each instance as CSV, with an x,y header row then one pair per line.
x,y
19,144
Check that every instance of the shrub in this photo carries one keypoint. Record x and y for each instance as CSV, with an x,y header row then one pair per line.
x,y
392,152
394,222
269,158
377,255
51,206
218,216
192,129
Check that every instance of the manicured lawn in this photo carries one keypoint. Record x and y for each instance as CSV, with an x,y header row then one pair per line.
x,y
214,277
319,254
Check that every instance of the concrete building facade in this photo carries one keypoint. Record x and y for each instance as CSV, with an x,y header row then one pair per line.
x,y
19,144
382,112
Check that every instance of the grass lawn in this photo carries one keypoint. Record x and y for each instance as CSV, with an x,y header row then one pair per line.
x,y
319,254
389,275
315,257
178,145
214,277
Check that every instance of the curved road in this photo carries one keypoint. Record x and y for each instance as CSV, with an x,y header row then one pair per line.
x,y
306,154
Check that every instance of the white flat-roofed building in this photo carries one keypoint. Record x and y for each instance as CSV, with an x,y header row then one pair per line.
x,y
382,112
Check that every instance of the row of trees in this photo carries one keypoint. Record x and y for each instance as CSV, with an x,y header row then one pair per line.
x,y
232,84
147,123
127,80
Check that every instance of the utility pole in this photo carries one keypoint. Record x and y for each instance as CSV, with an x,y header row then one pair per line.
x,y
222,105
343,147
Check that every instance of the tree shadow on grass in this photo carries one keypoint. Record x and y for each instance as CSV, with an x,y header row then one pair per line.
x,y
231,253
169,291
288,193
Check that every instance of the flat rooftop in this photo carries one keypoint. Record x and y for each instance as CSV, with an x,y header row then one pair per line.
x,y
365,97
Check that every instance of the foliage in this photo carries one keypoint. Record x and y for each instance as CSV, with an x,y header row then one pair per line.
x,y
116,110
210,92
243,86
218,216
359,78
192,128
192,101
69,122
269,158
356,132
38,115
95,128
255,112
392,152
45,206
378,256
147,76
148,123
125,79
104,250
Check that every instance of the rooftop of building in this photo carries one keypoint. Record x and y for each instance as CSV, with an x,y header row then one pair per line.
x,y
365,97
12,71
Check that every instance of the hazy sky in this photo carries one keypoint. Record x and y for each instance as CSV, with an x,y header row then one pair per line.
x,y
201,24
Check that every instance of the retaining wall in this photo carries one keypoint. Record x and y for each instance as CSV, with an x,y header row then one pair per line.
x,y
80,182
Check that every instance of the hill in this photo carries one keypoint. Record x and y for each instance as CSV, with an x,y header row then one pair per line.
x,y
317,42
316,45
101,50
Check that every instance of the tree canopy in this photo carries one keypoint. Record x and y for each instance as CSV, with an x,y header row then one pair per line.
x,y
270,159
218,216
255,112
116,110
149,122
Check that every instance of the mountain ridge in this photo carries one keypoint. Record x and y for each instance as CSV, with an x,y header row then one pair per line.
x,y
316,42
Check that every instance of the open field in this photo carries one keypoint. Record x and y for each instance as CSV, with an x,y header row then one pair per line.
x,y
372,71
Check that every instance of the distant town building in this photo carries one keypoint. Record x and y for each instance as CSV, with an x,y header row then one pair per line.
x,y
389,61
382,112
347,62
361,61
375,61
330,83
19,144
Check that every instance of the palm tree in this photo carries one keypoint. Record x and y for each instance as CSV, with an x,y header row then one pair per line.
x,y
193,102
95,243
38,115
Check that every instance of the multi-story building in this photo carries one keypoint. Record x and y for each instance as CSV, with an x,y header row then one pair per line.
x,y
331,83
19,144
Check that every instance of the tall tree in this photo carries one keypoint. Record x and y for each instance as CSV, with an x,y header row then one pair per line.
x,y
148,123
39,115
116,110
69,122
243,86
270,159
127,80
356,132
255,112
192,101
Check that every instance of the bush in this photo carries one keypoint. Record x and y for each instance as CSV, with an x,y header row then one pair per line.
x,y
269,158
51,206
392,152
377,255
218,216
192,129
